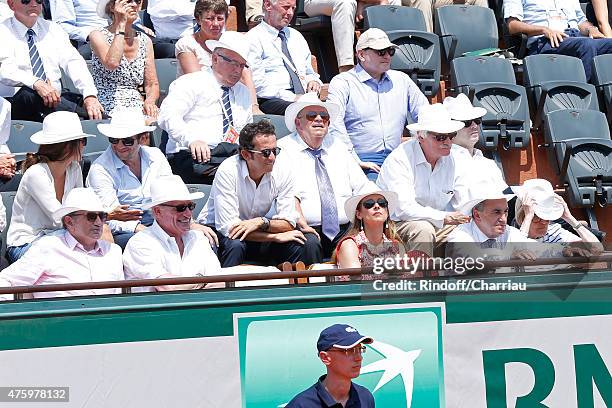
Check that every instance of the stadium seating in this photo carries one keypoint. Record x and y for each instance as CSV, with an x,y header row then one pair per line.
x,y
19,141
602,79
464,29
489,82
278,121
556,82
166,74
204,188
580,148
418,54
95,145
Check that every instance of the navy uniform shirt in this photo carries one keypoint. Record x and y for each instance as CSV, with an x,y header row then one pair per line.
x,y
318,397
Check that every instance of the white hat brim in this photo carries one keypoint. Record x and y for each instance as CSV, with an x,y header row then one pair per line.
x,y
190,197
548,213
213,44
40,139
350,206
474,113
116,132
61,212
450,126
296,107
467,207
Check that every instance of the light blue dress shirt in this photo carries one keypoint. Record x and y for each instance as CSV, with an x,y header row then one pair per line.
x,y
78,18
373,113
115,184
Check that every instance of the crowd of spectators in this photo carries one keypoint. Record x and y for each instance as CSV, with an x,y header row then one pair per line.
x,y
351,181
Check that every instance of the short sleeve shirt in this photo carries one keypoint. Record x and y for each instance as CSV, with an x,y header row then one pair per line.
x,y
318,397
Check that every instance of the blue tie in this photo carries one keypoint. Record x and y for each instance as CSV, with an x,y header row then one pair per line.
x,y
38,70
227,110
296,84
329,211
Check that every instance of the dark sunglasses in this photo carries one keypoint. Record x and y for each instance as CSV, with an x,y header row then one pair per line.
x,y
93,216
26,2
182,207
369,203
128,141
381,53
442,137
84,141
312,115
267,152
468,123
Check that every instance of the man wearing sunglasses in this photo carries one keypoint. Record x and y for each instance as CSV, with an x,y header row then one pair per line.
x,y
122,176
429,177
35,54
340,348
170,248
247,188
376,102
326,174
75,254
205,111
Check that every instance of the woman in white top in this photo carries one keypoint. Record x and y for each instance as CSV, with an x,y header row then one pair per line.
x,y
48,176
191,51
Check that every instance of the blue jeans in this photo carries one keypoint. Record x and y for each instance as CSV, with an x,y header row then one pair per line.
x,y
376,158
122,238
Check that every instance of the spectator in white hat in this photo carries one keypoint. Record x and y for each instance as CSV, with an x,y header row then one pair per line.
x,y
207,109
48,176
537,206
326,174
122,176
375,102
75,254
428,182
170,248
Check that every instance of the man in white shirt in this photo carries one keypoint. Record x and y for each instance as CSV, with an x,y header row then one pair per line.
x,y
78,18
487,234
206,108
5,11
8,180
75,254
122,176
246,188
171,20
170,248
280,59
427,178
37,51
326,175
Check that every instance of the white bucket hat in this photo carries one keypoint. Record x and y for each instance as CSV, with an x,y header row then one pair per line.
x,y
59,127
170,188
460,108
350,206
545,206
79,199
125,123
435,118
374,38
308,99
233,41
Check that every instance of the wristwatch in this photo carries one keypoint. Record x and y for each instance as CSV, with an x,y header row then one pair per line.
x,y
265,224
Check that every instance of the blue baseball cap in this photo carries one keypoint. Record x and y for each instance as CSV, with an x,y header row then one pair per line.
x,y
341,336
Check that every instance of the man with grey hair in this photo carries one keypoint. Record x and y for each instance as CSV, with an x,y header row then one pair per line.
x,y
428,179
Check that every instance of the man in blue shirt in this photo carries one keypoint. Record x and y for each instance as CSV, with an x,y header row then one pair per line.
x,y
376,102
340,348
558,27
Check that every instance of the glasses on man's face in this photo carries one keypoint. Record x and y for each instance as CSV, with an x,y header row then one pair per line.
x,y
267,152
84,141
381,53
369,203
26,2
352,352
93,216
440,137
468,123
181,207
127,141
233,63
312,115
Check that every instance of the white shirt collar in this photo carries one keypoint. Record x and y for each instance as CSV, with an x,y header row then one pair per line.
x,y
72,243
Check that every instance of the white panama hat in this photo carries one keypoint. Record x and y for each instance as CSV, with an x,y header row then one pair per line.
x,y
435,118
308,99
79,199
350,206
542,192
125,123
170,188
59,127
460,108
